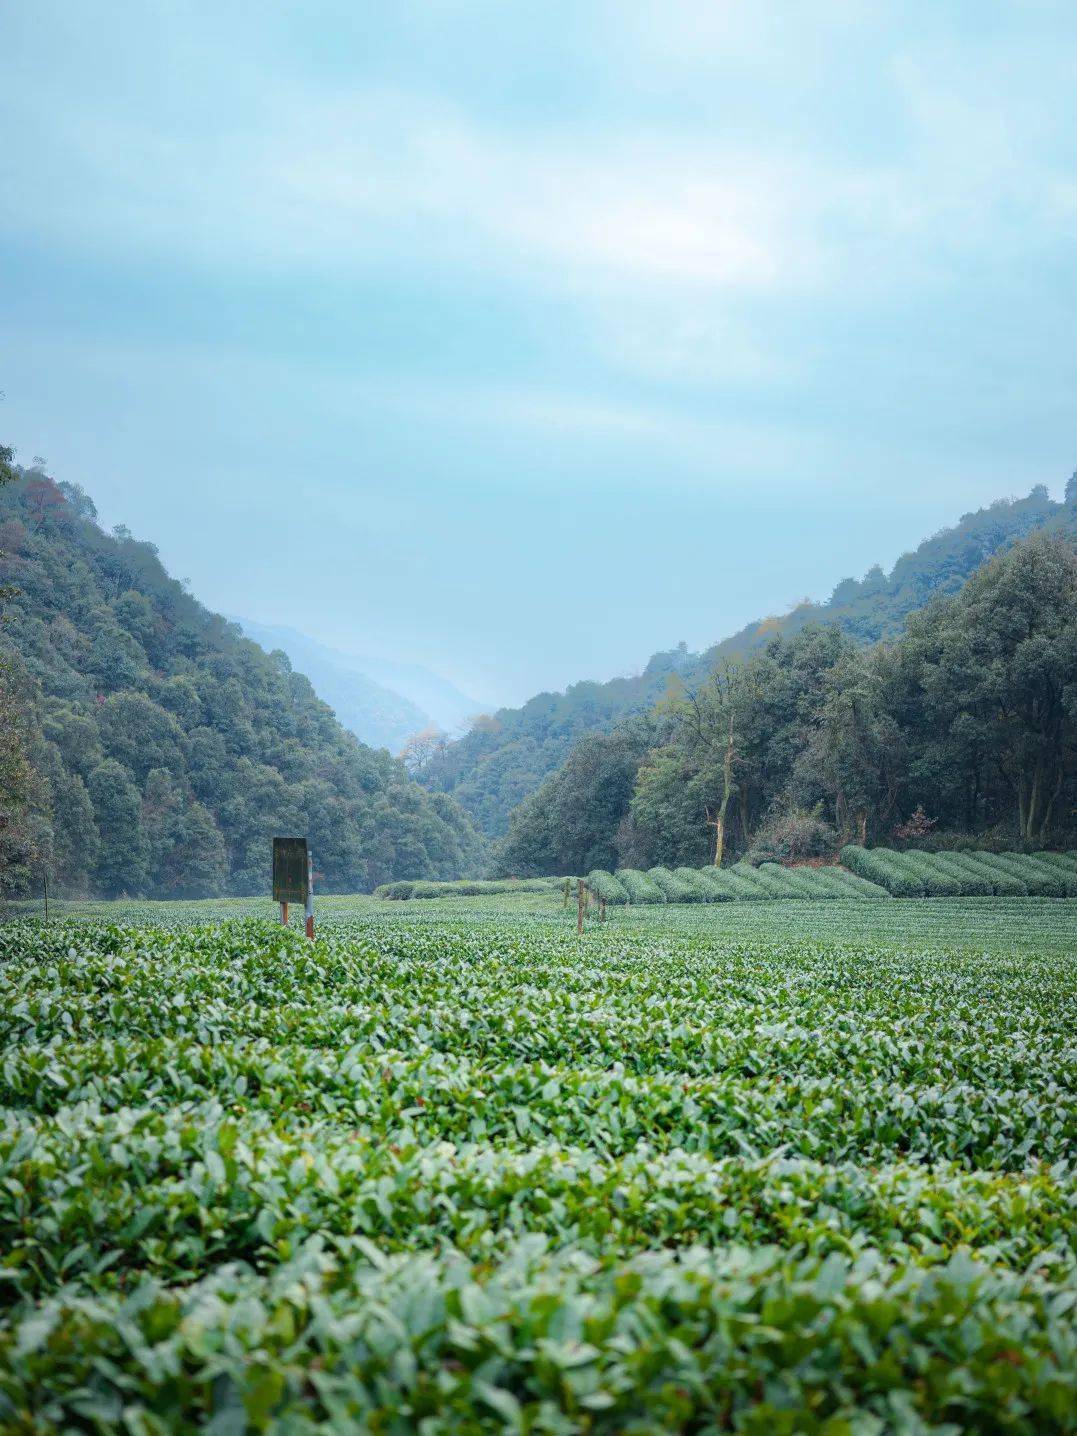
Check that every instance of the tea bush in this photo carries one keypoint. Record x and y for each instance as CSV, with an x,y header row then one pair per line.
x,y
606,887
640,887
674,889
789,1166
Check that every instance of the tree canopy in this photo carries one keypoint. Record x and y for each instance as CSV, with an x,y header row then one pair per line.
x,y
965,726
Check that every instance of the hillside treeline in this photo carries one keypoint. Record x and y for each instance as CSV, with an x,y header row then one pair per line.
x,y
506,755
149,749
967,726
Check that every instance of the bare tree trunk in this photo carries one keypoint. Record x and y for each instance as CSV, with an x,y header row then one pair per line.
x,y
1045,825
1034,801
727,788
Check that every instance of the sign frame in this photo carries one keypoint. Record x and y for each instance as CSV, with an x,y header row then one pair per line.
x,y
291,870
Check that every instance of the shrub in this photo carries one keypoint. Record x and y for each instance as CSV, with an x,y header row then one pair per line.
x,y
857,886
937,881
974,881
728,885
792,835
781,881
674,888
640,887
606,887
697,884
1067,877
883,866
1038,878
916,828
467,887
755,881
394,892
1003,882
808,882
829,882
1067,862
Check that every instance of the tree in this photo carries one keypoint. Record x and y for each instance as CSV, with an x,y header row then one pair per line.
x,y
75,840
124,856
139,734
421,749
44,500
853,756
997,664
571,824
21,791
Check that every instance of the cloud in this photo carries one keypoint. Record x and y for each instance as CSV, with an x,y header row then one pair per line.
x,y
268,169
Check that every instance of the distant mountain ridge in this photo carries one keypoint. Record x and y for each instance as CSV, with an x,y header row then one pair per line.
x,y
382,701
505,757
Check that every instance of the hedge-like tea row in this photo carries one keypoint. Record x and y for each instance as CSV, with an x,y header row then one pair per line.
x,y
867,872
607,888
640,887
465,887
965,874
741,882
674,888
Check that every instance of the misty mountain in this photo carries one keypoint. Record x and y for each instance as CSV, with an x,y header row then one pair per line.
x,y
382,702
149,748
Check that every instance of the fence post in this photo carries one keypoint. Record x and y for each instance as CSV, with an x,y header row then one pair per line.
x,y
581,892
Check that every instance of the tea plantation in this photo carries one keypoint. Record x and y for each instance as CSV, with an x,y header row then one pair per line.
x,y
782,1167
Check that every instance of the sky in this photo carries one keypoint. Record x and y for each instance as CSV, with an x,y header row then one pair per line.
x,y
522,340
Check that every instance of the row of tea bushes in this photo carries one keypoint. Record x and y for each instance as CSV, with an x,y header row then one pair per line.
x,y
466,887
965,874
739,883
867,873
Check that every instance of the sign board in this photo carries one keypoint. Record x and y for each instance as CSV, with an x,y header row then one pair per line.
x,y
290,870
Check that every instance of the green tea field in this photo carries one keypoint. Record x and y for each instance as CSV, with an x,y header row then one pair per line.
x,y
777,1167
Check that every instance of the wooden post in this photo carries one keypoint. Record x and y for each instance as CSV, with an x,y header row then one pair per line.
x,y
310,895
45,880
581,893
284,914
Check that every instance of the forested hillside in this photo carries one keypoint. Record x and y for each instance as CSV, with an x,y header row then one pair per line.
x,y
963,730
506,756
148,748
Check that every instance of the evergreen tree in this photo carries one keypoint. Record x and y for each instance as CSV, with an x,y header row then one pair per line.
x,y
123,860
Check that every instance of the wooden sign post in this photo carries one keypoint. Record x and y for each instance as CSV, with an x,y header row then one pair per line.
x,y
293,878
310,895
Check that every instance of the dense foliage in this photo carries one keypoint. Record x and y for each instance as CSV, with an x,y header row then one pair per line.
x,y
162,750
967,726
757,1167
506,756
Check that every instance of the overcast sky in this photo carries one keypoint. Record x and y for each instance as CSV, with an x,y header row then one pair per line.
x,y
522,339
